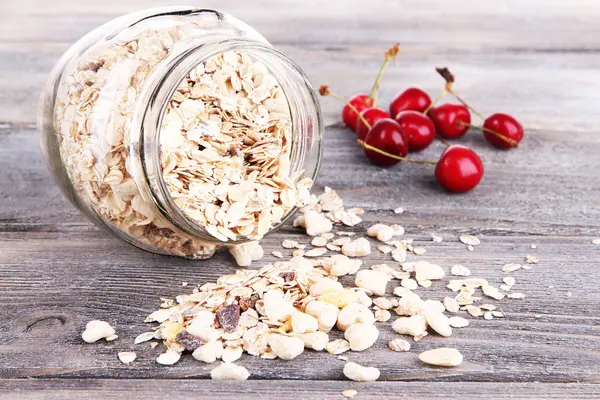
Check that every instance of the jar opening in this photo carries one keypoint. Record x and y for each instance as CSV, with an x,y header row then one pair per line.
x,y
229,166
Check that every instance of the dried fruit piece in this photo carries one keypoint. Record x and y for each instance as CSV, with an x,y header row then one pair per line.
x,y
248,302
288,276
229,317
188,341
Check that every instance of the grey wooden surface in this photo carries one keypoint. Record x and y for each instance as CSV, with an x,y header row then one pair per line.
x,y
536,59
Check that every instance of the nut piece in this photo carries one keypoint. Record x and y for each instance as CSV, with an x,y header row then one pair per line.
x,y
349,393
359,373
231,353
439,323
383,233
353,313
229,372
450,304
361,336
208,352
275,307
444,357
357,248
398,344
325,285
143,337
458,322
511,267
414,326
337,346
127,357
245,253
325,313
286,347
427,271
342,265
302,323
340,299
460,270
316,224
315,340
373,281
168,358
470,240
96,330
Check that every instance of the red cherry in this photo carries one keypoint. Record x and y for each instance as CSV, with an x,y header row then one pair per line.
x,y
411,99
360,102
459,170
418,129
446,118
386,134
507,127
372,115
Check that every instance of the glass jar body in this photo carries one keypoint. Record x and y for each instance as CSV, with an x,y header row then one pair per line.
x,y
104,107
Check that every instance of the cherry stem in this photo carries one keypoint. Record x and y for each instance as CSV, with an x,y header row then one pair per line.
x,y
474,111
389,56
443,140
338,97
498,135
374,94
433,103
362,144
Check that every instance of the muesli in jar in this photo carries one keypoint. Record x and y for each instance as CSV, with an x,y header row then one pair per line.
x,y
222,157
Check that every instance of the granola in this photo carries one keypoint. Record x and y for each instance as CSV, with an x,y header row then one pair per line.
x,y
224,144
294,304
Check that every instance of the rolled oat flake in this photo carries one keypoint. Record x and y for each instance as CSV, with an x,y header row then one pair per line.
x,y
181,130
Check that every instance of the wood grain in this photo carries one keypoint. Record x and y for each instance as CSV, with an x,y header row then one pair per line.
x,y
108,389
536,59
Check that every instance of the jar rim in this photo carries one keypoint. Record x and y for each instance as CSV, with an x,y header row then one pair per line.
x,y
159,90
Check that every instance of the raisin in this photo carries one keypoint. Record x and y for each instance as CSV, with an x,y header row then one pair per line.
x,y
228,317
188,341
288,276
248,302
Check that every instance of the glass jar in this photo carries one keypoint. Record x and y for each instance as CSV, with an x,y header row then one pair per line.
x,y
181,130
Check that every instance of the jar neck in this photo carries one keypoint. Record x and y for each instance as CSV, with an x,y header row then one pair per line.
x,y
145,166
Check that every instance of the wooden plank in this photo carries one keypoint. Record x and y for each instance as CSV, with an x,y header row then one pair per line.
x,y
52,283
499,58
551,168
109,389
537,59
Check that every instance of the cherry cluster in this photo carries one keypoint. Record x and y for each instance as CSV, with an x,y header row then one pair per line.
x,y
413,123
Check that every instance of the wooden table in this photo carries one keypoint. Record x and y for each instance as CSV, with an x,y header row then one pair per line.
x,y
537,59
